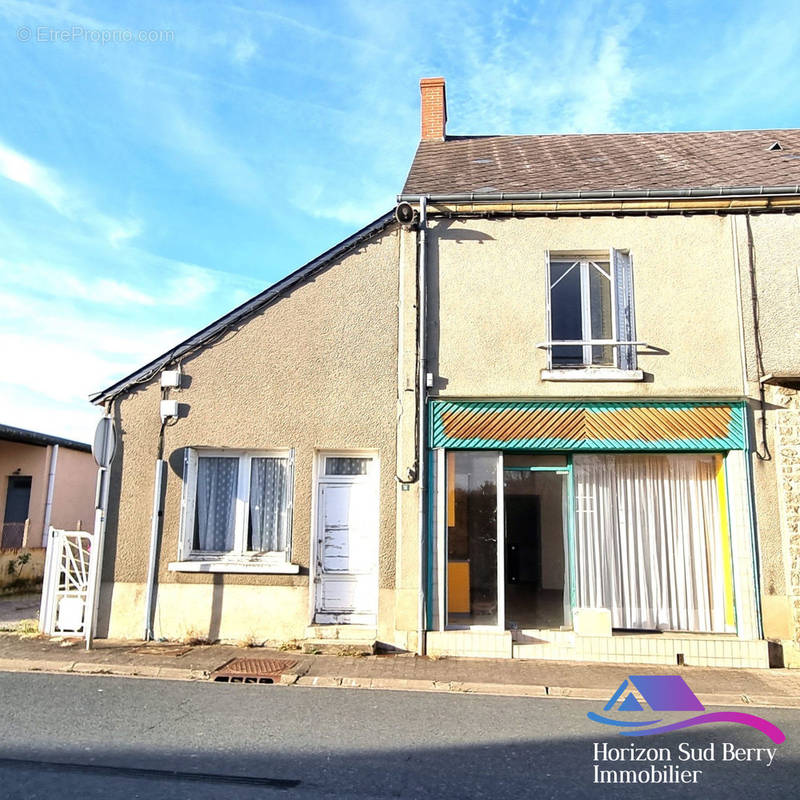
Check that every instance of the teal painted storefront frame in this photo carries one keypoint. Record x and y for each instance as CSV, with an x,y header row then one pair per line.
x,y
734,440
737,439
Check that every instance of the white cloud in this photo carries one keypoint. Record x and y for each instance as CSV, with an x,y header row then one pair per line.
x,y
28,173
244,50
190,286
66,284
45,184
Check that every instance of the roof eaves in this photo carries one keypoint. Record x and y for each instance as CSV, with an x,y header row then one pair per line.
x,y
202,337
603,194
8,433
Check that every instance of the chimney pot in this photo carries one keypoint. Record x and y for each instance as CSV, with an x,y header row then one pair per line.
x,y
433,109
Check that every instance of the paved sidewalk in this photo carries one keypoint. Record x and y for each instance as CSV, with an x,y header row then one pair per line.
x,y
15,609
777,687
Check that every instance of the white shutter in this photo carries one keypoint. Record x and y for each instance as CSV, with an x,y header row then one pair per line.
x,y
623,299
188,503
548,307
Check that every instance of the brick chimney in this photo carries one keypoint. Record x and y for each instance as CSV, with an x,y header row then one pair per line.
x,y
433,109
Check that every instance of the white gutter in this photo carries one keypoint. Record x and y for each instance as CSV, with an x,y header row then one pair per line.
x,y
51,485
605,194
421,449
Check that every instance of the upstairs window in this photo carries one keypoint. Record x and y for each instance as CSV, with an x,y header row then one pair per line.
x,y
590,300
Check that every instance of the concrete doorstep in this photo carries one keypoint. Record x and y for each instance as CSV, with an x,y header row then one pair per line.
x,y
563,680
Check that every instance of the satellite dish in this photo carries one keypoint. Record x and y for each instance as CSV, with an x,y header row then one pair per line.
x,y
105,442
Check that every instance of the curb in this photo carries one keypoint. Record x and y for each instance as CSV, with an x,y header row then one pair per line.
x,y
93,668
516,690
386,684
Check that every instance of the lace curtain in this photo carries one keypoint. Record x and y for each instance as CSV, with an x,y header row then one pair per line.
x,y
268,504
215,517
648,541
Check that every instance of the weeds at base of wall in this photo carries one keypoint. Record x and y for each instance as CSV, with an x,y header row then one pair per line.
x,y
195,638
25,628
352,651
22,586
250,641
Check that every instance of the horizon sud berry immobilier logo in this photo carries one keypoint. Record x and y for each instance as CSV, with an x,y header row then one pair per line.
x,y
630,712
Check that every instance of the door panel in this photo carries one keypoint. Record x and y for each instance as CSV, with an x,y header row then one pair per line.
x,y
347,548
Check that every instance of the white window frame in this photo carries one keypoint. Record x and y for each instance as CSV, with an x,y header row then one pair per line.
x,y
238,559
585,261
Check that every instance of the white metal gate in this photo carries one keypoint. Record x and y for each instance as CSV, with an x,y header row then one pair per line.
x,y
67,595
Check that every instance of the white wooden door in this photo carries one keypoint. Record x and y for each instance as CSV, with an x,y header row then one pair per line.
x,y
346,569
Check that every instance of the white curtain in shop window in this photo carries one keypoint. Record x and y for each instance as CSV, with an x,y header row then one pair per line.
x,y
648,541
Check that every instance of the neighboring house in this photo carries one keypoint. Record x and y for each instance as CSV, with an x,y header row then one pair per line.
x,y
48,481
557,463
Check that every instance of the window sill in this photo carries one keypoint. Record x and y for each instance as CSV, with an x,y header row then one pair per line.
x,y
592,374
262,566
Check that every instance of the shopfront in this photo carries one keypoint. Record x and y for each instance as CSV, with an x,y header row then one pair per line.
x,y
541,510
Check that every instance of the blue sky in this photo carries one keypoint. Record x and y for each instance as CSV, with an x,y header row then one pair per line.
x,y
148,187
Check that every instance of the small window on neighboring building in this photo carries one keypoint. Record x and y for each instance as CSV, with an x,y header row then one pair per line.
x,y
236,504
591,310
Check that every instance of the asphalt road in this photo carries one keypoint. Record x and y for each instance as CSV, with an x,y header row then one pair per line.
x,y
71,736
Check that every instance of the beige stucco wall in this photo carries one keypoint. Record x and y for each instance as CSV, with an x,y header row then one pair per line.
x,y
488,304
316,370
773,270
776,241
30,460
74,490
487,310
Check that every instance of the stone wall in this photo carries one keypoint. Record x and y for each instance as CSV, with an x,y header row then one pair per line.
x,y
787,436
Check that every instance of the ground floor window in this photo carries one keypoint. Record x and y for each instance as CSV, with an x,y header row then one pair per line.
x,y
236,503
528,537
648,541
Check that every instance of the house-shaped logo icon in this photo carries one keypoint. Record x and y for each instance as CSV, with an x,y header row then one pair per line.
x,y
659,692
669,693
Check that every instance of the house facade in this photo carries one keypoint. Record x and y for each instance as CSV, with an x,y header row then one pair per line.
x,y
518,417
48,481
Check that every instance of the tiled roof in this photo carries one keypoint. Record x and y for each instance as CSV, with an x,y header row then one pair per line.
x,y
600,162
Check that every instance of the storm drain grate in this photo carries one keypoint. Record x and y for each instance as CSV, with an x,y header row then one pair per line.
x,y
252,670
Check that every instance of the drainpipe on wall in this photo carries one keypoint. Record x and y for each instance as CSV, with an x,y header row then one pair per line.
x,y
48,504
752,515
155,522
739,303
422,380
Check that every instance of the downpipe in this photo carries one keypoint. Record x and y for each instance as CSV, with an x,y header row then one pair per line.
x,y
422,427
155,525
